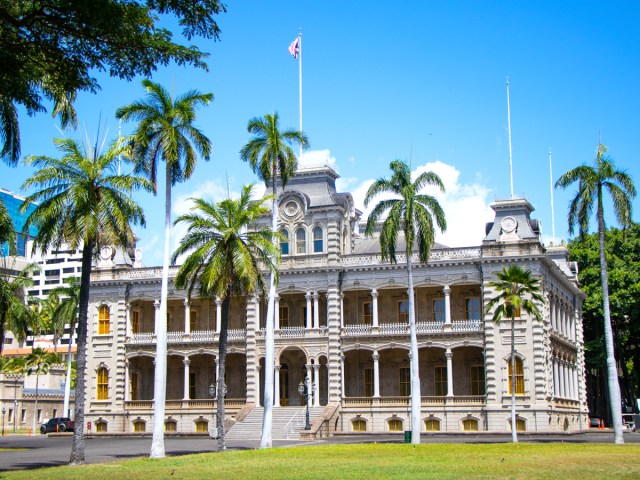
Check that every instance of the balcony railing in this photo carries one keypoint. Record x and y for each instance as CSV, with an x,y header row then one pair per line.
x,y
427,401
435,255
422,328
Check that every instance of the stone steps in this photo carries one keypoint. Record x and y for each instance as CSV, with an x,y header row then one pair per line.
x,y
288,422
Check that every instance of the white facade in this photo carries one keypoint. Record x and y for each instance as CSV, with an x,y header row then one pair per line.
x,y
341,323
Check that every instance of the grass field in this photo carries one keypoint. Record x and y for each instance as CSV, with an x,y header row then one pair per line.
x,y
372,461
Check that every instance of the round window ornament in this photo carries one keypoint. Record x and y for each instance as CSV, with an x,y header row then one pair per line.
x,y
509,224
291,208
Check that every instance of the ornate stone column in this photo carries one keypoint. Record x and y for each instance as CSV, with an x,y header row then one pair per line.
x,y
186,363
127,383
218,314
447,304
449,355
316,310
309,319
556,378
316,380
187,316
341,310
276,385
374,308
156,306
376,374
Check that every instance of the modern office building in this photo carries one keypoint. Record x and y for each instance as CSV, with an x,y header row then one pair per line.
x,y
342,325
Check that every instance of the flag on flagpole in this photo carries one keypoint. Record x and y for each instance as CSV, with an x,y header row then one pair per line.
x,y
294,48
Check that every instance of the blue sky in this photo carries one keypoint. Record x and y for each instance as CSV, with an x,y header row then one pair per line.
x,y
417,80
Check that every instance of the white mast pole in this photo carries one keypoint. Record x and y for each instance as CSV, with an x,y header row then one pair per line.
x,y
300,86
509,129
553,220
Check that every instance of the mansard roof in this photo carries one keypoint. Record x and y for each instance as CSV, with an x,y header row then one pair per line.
x,y
371,245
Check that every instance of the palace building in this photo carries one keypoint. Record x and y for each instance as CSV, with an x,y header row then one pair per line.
x,y
342,325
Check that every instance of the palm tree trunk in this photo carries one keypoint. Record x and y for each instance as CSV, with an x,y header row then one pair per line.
x,y
67,385
514,432
160,377
222,359
35,407
612,370
269,347
77,446
416,398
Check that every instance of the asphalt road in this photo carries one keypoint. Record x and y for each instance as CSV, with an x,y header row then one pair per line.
x,y
25,452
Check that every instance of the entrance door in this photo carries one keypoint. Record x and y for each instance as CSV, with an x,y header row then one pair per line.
x,y
284,385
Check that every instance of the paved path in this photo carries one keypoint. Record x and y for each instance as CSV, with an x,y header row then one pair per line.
x,y
43,451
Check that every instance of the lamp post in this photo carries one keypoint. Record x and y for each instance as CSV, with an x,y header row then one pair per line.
x,y
303,389
212,394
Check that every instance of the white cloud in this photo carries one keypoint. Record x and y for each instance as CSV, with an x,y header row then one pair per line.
x,y
466,206
317,158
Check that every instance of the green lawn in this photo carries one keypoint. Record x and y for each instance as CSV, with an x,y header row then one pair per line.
x,y
373,461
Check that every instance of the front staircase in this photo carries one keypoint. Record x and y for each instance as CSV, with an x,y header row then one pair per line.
x,y
288,422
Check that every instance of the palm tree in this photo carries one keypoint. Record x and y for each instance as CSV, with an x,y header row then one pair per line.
x,y
517,289
270,155
37,363
224,260
165,131
13,311
66,314
413,214
593,181
83,203
7,232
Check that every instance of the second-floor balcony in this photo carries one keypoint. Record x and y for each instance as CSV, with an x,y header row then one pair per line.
x,y
422,328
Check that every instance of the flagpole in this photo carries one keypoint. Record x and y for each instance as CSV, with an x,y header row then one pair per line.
x,y
553,220
509,130
300,87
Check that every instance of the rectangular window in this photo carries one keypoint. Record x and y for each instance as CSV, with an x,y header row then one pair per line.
x,y
103,384
438,310
201,426
104,319
519,377
67,270
472,308
284,316
367,313
477,380
193,320
403,311
405,381
138,426
23,415
368,382
39,416
10,415
440,381
135,322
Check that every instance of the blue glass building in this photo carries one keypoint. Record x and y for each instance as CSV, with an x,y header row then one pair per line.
x,y
13,202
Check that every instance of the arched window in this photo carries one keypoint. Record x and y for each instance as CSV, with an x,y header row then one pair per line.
x,y
103,384
395,425
318,246
139,426
470,425
104,320
101,427
432,425
202,426
284,242
301,241
519,377
359,425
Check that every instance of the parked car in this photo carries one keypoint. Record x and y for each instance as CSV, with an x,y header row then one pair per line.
x,y
594,422
58,424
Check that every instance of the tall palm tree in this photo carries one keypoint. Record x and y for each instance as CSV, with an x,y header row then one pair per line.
x,y
85,204
593,181
271,157
516,292
13,311
67,314
165,132
224,260
412,213
37,363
